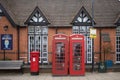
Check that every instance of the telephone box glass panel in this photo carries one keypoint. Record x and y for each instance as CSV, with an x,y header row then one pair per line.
x,y
77,56
60,56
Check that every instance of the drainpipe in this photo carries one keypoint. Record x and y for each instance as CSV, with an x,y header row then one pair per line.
x,y
100,59
18,36
56,30
92,38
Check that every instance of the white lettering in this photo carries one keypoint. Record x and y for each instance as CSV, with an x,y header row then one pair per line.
x,y
77,38
59,38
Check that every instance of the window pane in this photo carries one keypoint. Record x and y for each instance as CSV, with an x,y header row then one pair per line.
x,y
31,29
0,11
85,19
40,19
82,29
45,30
34,19
75,29
79,19
37,29
88,28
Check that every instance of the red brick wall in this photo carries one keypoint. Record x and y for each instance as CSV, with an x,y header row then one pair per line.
x,y
112,34
13,54
68,31
10,54
24,43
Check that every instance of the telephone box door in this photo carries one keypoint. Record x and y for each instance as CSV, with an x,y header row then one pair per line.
x,y
60,55
77,66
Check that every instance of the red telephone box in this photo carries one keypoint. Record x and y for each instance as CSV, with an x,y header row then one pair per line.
x,y
60,54
34,65
77,66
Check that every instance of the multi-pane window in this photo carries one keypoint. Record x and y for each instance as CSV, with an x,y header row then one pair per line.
x,y
38,41
38,34
118,45
85,31
88,49
81,25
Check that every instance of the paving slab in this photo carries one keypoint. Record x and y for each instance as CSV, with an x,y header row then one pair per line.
x,y
48,76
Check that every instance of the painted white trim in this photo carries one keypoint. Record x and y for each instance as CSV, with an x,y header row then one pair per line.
x,y
117,53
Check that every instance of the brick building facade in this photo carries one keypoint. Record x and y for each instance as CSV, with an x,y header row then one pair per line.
x,y
33,23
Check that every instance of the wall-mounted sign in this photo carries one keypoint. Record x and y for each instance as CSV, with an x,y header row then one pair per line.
x,y
6,41
92,33
106,37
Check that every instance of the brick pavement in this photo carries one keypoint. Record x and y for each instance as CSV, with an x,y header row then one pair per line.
x,y
48,76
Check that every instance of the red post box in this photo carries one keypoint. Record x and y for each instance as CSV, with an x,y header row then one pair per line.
x,y
60,54
34,65
77,65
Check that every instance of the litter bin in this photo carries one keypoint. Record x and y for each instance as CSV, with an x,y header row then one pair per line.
x,y
34,63
109,63
102,68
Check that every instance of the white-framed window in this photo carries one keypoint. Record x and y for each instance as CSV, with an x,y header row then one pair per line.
x,y
118,44
38,41
88,41
38,34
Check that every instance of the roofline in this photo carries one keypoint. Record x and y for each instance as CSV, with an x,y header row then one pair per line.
x,y
77,15
7,15
118,24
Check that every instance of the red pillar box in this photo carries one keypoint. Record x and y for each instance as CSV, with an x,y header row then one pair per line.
x,y
34,65
60,54
77,66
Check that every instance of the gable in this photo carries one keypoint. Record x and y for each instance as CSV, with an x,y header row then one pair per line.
x,y
82,18
118,22
3,12
37,18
